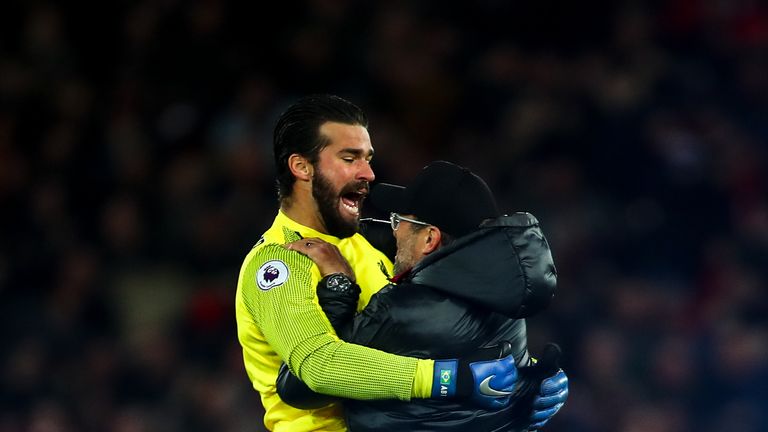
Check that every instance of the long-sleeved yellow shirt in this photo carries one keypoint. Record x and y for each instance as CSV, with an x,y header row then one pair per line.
x,y
279,318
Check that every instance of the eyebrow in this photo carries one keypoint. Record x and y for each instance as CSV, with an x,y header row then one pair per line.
x,y
357,152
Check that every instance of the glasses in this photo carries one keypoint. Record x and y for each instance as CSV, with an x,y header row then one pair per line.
x,y
395,219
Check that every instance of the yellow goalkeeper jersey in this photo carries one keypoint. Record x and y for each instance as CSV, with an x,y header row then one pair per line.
x,y
279,318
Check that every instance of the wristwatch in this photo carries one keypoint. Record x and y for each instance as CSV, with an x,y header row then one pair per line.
x,y
338,282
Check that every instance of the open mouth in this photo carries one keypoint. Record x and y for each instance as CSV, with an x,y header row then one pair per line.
x,y
352,201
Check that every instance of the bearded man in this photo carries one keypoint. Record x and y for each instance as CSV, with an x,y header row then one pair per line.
x,y
322,153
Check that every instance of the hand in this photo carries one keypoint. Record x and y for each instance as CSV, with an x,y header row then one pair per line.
x,y
487,377
553,391
295,393
325,255
551,397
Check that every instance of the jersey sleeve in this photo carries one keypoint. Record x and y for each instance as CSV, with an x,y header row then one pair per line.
x,y
279,293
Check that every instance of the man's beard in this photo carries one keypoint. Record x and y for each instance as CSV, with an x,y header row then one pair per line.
x,y
327,201
400,267
404,257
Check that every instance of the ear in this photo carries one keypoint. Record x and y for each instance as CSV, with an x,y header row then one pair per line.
x,y
300,167
432,240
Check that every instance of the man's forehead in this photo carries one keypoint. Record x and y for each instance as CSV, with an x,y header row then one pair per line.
x,y
343,135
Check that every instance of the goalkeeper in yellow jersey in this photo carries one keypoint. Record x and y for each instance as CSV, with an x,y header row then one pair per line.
x,y
322,158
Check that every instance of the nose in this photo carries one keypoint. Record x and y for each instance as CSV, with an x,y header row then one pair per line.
x,y
365,172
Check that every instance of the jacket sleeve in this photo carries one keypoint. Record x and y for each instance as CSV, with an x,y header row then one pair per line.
x,y
338,304
374,323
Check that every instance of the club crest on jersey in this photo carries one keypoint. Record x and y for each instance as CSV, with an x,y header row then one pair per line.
x,y
383,269
271,274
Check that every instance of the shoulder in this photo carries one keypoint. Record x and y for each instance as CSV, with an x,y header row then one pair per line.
x,y
271,251
362,243
362,250
271,265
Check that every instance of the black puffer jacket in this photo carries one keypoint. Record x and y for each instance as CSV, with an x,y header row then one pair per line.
x,y
470,294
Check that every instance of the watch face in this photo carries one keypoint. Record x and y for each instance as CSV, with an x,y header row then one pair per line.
x,y
338,282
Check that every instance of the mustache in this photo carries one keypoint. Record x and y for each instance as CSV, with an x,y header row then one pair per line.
x,y
356,187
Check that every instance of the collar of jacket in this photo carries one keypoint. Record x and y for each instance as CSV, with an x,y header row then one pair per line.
x,y
402,276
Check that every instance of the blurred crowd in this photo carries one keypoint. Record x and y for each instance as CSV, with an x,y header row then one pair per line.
x,y
136,173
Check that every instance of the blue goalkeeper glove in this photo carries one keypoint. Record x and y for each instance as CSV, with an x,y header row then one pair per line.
x,y
553,391
487,378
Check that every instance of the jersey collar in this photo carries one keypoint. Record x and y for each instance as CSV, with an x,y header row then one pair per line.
x,y
283,220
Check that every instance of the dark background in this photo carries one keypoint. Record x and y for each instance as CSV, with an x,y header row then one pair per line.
x,y
136,173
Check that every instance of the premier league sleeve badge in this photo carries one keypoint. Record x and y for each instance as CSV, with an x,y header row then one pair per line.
x,y
271,274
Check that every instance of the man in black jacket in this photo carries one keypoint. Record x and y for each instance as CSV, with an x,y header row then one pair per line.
x,y
466,277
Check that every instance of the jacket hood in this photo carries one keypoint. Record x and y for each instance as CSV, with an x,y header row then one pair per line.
x,y
505,266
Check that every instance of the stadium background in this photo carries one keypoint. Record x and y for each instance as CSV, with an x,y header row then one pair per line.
x,y
135,173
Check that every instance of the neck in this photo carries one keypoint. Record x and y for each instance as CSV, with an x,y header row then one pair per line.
x,y
303,209
400,276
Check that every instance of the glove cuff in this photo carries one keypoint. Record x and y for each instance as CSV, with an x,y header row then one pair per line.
x,y
444,379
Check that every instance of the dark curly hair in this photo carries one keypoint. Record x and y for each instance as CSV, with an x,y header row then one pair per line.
x,y
298,131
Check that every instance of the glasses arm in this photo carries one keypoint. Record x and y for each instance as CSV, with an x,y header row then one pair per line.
x,y
381,221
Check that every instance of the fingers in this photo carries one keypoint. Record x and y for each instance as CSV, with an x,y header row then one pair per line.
x,y
325,255
554,383
538,425
545,415
506,381
543,402
552,397
306,245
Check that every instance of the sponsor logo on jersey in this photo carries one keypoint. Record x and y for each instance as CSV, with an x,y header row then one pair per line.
x,y
271,274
